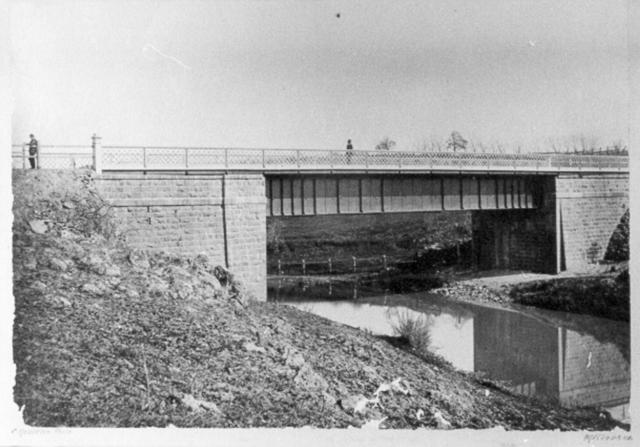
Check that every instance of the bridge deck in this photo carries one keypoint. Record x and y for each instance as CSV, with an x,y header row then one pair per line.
x,y
192,159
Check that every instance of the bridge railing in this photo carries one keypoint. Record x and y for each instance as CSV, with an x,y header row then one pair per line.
x,y
190,158
138,158
68,156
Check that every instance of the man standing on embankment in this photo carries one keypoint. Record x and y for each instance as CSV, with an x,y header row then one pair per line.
x,y
33,151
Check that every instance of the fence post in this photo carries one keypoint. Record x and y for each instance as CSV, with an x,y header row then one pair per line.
x,y
96,146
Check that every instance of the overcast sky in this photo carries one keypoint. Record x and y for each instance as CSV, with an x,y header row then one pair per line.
x,y
295,75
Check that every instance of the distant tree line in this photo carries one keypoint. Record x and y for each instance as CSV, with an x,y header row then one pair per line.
x,y
457,143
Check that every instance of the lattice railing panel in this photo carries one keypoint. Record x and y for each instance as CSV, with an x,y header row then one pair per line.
x,y
245,159
123,158
165,158
282,159
205,158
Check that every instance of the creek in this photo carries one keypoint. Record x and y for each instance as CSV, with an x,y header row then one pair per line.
x,y
575,360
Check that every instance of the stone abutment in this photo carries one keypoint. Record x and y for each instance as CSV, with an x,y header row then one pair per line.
x,y
220,215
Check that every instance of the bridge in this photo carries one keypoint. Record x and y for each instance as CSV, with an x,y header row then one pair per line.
x,y
534,211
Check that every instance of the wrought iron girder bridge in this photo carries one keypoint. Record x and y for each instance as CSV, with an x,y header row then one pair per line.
x,y
198,159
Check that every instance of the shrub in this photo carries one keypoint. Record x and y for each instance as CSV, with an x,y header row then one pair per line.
x,y
618,248
416,330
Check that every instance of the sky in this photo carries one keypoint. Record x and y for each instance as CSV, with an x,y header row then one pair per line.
x,y
311,74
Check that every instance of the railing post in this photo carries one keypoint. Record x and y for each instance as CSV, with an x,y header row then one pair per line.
x,y
186,158
24,156
226,158
298,158
96,147
366,159
144,158
263,159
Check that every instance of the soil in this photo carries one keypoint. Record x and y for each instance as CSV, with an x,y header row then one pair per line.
x,y
105,335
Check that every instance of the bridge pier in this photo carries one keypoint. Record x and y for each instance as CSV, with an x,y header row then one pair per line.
x,y
569,229
221,215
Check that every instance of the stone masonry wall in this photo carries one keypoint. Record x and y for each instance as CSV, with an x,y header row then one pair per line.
x,y
220,215
590,209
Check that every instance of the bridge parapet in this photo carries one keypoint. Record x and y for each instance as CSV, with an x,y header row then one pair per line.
x,y
140,158
292,160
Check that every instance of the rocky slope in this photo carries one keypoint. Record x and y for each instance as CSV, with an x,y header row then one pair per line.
x,y
109,336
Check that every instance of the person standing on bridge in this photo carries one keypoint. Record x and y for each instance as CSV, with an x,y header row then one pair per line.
x,y
33,151
349,151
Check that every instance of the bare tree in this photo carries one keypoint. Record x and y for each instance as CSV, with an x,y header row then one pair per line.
x,y
456,142
385,144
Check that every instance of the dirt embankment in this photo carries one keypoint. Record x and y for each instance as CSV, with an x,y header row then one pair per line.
x,y
109,336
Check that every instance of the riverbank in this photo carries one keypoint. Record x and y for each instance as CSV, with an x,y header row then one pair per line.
x,y
603,292
400,237
105,335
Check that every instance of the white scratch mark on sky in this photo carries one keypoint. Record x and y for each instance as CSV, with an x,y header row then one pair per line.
x,y
149,47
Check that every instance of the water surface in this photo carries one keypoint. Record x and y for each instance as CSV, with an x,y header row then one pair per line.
x,y
574,359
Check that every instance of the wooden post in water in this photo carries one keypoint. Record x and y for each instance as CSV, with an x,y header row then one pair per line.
x,y
304,267
354,263
384,262
279,268
330,269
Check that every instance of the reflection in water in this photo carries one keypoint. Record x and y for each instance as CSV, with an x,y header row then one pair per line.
x,y
539,355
